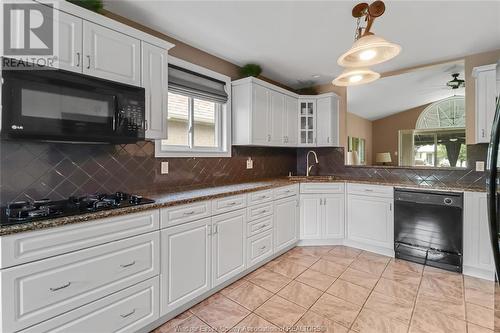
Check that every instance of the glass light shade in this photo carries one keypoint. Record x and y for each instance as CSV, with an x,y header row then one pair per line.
x,y
383,158
355,76
369,50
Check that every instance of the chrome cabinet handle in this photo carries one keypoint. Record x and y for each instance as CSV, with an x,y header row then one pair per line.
x,y
61,287
146,124
128,265
189,213
263,211
483,133
77,59
262,248
263,197
88,58
232,203
268,137
263,226
328,139
215,230
128,314
368,190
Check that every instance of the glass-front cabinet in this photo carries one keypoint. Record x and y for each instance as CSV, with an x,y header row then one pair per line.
x,y
307,122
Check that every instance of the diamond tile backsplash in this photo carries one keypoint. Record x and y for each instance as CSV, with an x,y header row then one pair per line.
x,y
35,170
331,162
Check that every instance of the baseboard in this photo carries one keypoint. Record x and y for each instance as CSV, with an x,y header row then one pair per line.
x,y
371,248
319,242
478,273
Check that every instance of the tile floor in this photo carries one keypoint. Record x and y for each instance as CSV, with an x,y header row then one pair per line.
x,y
341,289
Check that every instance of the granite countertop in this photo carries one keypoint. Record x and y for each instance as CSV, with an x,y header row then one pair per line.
x,y
163,199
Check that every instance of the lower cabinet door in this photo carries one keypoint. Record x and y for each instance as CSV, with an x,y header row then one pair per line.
x,y
185,263
125,311
333,216
228,245
259,248
285,222
370,220
310,216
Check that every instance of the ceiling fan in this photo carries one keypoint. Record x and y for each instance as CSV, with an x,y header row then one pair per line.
x,y
455,82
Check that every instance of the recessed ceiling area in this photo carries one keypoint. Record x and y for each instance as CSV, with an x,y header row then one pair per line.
x,y
295,40
397,93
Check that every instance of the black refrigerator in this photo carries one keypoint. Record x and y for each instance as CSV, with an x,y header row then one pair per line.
x,y
493,187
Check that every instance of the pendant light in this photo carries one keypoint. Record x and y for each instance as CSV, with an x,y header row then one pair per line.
x,y
355,76
368,49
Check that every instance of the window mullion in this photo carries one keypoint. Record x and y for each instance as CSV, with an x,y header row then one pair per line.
x,y
191,123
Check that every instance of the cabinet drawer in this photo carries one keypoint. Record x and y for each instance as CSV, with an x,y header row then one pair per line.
x,y
371,190
286,191
186,213
228,204
256,212
322,188
260,225
255,198
259,248
47,288
125,311
30,246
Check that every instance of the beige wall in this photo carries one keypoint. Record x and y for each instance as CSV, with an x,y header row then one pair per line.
x,y
361,128
385,130
191,54
472,61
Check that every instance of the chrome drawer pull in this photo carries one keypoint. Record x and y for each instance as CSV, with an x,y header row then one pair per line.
x,y
189,213
263,197
128,314
263,226
263,211
128,265
368,190
232,203
263,248
61,287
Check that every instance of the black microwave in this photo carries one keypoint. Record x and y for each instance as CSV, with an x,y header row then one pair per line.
x,y
57,105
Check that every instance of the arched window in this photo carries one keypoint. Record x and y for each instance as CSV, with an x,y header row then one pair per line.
x,y
446,113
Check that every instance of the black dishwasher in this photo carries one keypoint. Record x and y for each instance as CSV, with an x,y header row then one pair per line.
x,y
428,227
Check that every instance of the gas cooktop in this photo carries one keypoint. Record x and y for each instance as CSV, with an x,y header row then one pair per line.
x,y
28,211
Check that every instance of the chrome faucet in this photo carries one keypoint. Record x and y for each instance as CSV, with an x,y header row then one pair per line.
x,y
309,167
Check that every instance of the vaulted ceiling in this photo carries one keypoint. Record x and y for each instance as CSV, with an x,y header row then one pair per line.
x,y
296,40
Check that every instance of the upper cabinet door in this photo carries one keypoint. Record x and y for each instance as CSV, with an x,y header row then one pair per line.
x,y
277,111
290,121
307,122
327,121
155,82
111,55
70,55
486,93
260,116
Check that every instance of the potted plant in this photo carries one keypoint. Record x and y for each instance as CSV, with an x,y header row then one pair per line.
x,y
93,5
250,70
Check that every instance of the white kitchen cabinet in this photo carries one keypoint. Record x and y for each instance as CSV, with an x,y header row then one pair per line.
x,y
111,55
277,100
478,255
259,248
370,220
46,288
155,83
261,115
70,48
310,216
307,122
322,216
126,311
285,222
333,216
185,263
291,121
485,105
322,211
228,246
327,120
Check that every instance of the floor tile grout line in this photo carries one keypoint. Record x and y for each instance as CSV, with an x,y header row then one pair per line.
x,y
415,300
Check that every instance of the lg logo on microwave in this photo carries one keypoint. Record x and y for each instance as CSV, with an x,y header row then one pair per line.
x,y
29,33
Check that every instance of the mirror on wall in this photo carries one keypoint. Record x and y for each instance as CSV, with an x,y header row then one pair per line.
x,y
413,119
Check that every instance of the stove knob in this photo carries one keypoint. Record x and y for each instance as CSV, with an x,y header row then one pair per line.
x,y
135,199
